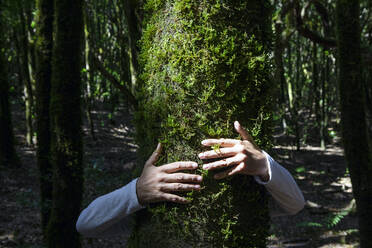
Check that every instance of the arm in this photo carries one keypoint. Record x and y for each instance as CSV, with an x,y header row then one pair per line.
x,y
244,157
110,214
288,198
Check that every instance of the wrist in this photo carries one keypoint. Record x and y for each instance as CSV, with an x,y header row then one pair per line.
x,y
138,192
265,175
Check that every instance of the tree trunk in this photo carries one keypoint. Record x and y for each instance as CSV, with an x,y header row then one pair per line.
x,y
279,68
65,115
205,65
44,46
355,136
8,157
24,51
131,8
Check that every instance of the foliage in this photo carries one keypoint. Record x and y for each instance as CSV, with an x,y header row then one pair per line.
x,y
205,64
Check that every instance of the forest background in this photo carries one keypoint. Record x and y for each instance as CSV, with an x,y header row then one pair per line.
x,y
59,55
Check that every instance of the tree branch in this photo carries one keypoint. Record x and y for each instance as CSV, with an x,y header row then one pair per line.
x,y
127,93
310,34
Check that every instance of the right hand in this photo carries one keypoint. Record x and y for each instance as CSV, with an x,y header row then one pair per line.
x,y
156,183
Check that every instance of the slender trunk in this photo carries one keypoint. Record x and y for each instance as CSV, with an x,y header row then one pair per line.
x,y
8,157
26,75
43,47
131,8
355,135
89,77
279,72
65,113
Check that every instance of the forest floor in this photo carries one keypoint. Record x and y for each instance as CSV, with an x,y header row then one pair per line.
x,y
328,220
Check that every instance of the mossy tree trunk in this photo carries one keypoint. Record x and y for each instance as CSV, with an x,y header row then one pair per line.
x,y
205,64
65,115
8,157
44,46
355,136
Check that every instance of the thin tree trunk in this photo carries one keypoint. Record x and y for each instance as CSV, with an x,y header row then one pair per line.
x,y
355,135
24,51
44,45
279,72
131,8
65,114
89,77
8,157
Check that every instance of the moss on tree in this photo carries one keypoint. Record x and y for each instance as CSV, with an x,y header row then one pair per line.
x,y
205,64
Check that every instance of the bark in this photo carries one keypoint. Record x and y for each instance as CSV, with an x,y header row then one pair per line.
x,y
44,46
65,114
355,136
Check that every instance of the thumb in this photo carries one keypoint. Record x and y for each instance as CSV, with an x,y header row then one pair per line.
x,y
155,155
245,135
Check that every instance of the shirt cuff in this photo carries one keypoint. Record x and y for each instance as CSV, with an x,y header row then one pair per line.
x,y
257,178
132,193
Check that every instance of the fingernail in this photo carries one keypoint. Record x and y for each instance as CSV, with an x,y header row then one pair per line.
x,y
194,165
200,178
204,142
236,124
201,155
205,167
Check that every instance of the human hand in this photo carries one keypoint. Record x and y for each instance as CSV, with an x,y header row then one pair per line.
x,y
237,156
156,183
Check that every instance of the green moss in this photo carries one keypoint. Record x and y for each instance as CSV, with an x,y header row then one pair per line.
x,y
205,64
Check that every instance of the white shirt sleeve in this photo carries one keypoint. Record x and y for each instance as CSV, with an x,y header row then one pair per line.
x,y
110,214
288,198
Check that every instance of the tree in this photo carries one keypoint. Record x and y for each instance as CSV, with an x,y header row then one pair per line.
x,y
8,157
205,65
44,46
355,136
65,115
25,64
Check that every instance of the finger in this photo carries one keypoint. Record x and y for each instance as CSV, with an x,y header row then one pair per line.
x,y
230,172
182,178
155,155
237,159
223,152
221,142
174,198
174,187
178,166
245,135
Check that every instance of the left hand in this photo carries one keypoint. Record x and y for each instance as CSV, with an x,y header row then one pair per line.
x,y
237,156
